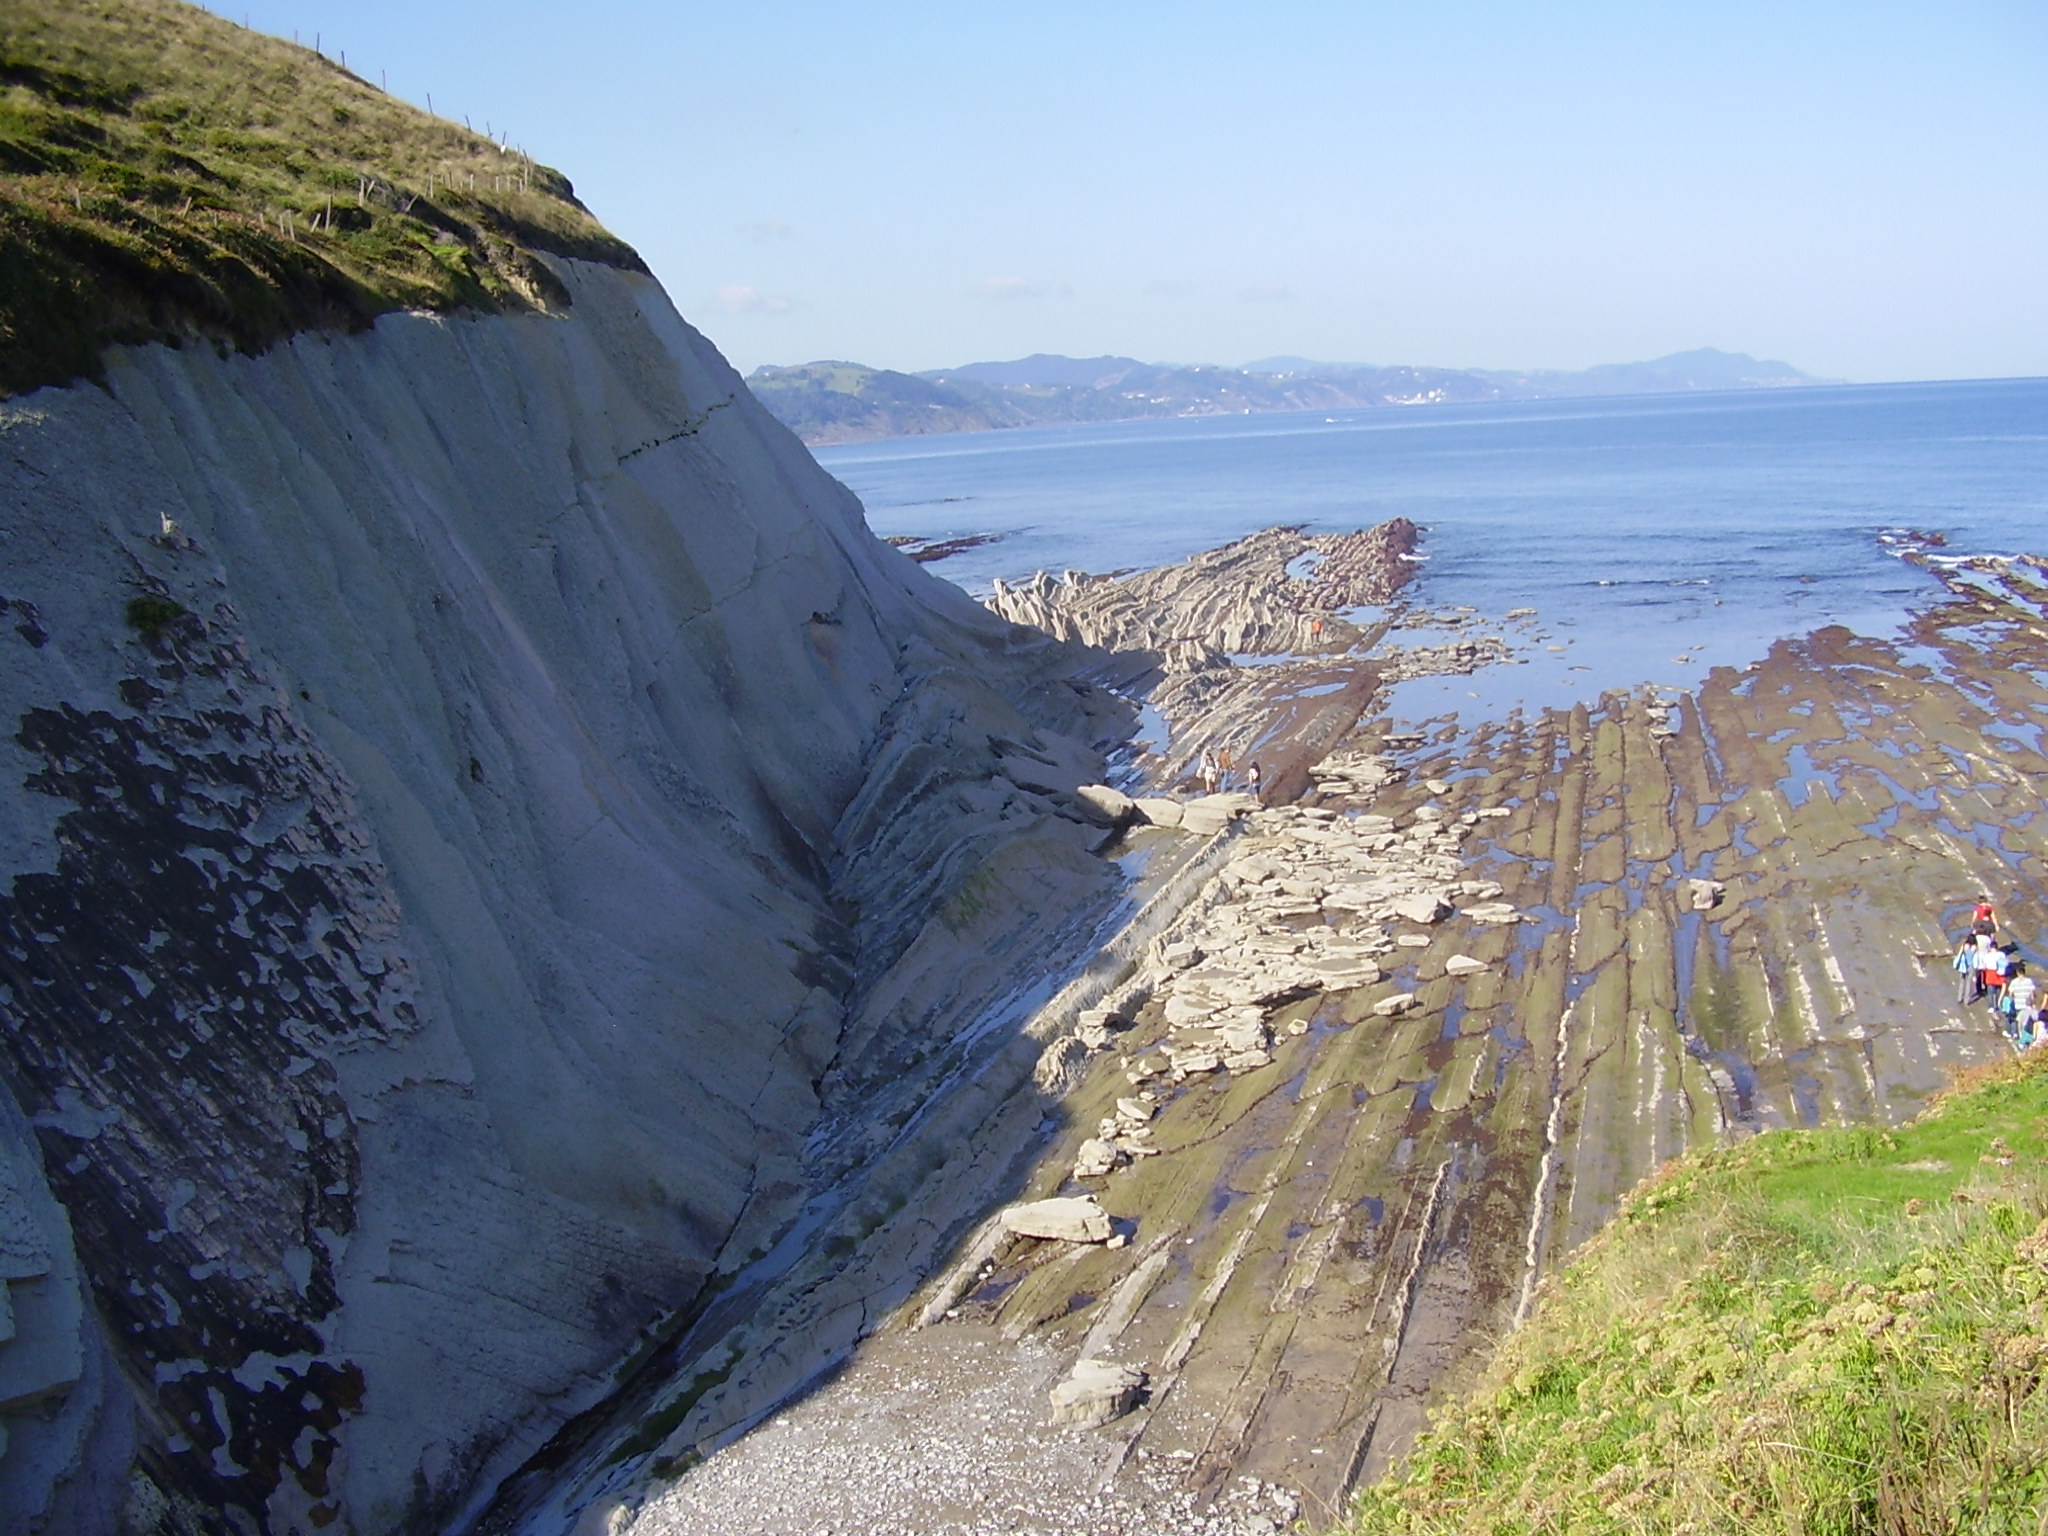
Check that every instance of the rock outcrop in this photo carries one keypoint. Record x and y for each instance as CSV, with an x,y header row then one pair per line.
x,y
1279,590
476,799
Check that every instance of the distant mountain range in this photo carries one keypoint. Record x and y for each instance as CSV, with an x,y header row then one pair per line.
x,y
835,402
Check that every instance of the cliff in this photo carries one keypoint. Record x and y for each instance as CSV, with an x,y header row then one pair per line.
x,y
471,787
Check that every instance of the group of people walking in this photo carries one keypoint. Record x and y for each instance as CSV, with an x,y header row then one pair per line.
x,y
1987,968
1213,770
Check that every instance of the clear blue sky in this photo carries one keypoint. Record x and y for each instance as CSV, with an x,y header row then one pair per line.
x,y
1860,189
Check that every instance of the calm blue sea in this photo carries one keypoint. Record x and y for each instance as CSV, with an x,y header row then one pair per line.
x,y
1657,536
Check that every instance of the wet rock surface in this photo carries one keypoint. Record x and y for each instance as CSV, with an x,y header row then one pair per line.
x,y
1423,1117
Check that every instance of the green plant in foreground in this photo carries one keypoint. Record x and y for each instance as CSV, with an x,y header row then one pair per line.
x,y
1815,1332
168,175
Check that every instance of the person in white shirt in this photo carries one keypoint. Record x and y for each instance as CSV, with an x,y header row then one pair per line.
x,y
1991,965
2023,997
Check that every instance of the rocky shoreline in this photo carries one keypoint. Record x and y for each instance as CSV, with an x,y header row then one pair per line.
x,y
1406,1045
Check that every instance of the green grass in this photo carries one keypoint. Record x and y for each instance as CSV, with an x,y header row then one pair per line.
x,y
166,175
1820,1332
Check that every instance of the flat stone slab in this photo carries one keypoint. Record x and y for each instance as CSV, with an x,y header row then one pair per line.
x,y
1463,965
1212,813
1420,908
1069,1219
1159,812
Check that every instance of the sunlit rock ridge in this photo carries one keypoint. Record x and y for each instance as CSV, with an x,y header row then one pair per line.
x,y
473,796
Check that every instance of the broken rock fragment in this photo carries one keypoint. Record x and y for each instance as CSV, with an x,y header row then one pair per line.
x,y
1463,965
1400,1002
1422,907
1095,1392
1493,912
1096,1158
1706,894
1068,1219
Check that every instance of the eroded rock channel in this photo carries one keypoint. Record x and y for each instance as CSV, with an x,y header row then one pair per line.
x,y
1386,1046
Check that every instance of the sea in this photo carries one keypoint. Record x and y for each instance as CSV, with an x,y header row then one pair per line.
x,y
1656,536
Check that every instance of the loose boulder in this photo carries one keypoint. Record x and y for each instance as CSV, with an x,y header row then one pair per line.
x,y
1096,1392
1110,807
1069,1219
1706,894
1400,1002
1096,1158
1463,965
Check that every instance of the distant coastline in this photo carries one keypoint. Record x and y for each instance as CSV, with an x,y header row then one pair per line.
x,y
841,402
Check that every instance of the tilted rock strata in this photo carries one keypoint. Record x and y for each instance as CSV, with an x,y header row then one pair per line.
x,y
474,790
1315,1244
1277,591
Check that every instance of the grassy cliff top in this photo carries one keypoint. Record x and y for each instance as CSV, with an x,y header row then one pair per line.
x,y
166,174
1837,1331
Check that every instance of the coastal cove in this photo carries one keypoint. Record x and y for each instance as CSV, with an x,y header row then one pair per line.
x,y
1650,528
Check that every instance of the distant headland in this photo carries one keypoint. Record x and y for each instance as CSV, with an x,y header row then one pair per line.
x,y
840,402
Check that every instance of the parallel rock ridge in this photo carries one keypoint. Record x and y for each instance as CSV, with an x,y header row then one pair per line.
x,y
1275,592
1495,975
478,814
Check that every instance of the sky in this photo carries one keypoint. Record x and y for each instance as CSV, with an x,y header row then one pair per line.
x,y
1859,189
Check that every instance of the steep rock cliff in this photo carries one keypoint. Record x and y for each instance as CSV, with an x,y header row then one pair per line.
x,y
468,789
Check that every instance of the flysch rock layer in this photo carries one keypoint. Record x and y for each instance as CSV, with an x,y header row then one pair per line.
x,y
1313,1238
524,805
1267,651
1275,592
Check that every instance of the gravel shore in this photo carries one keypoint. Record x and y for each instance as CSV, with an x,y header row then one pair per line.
x,y
944,1433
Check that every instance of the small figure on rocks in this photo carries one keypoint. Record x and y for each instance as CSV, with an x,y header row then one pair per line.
x,y
1969,986
1991,967
1207,770
1984,919
2023,1006
1251,776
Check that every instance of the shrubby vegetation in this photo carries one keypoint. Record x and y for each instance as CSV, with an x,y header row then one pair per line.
x,y
1836,1331
167,175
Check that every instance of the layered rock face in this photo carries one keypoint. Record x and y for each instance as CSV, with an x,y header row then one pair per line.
x,y
1274,592
470,790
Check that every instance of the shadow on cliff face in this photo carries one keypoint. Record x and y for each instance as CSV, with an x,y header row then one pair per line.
x,y
216,924
982,918
213,917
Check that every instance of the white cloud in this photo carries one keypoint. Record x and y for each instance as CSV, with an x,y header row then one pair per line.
x,y
743,299
1009,289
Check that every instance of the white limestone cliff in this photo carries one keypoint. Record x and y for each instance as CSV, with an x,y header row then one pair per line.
x,y
470,792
